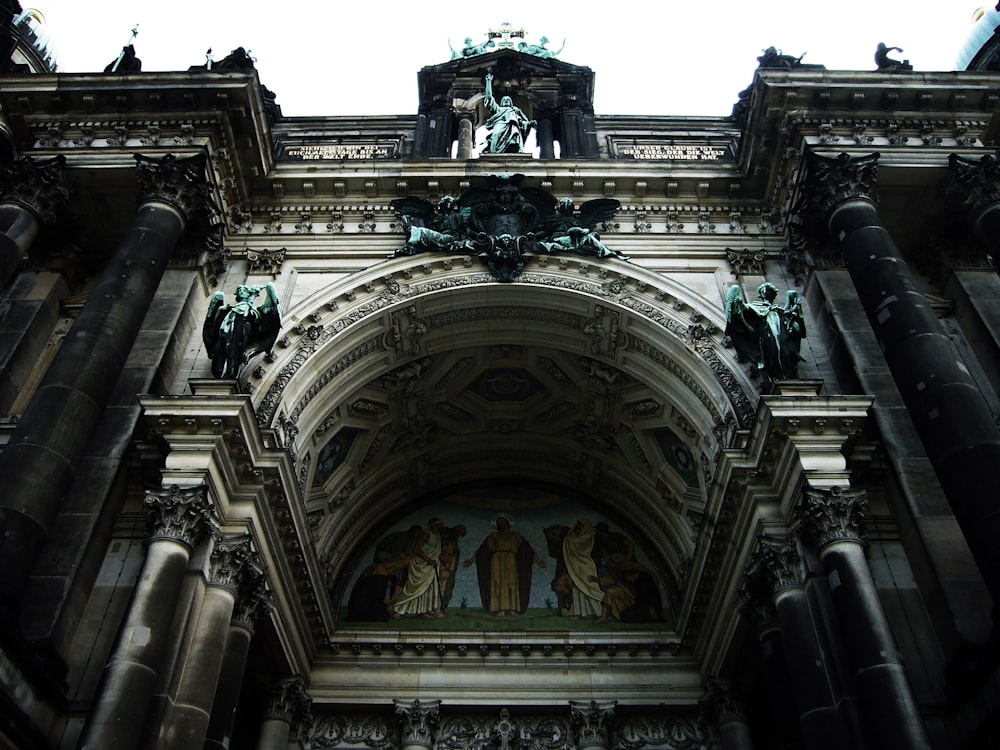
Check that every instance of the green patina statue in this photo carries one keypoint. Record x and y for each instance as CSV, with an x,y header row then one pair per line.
x,y
766,333
539,50
507,126
235,333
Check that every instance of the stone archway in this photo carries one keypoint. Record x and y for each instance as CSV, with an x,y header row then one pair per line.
x,y
596,377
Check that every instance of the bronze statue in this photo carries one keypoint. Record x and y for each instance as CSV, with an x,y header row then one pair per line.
x,y
539,50
766,333
235,333
507,125
884,62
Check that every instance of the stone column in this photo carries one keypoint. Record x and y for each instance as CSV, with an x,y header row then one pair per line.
x,y
726,712
949,412
591,722
758,606
40,461
466,138
251,604
289,706
31,192
830,520
546,143
418,723
776,565
186,723
180,518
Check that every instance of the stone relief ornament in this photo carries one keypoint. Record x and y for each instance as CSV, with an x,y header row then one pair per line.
x,y
503,222
235,333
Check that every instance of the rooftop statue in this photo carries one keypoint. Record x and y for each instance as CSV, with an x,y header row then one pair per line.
x,y
470,49
539,50
765,333
504,221
507,126
774,59
235,333
884,62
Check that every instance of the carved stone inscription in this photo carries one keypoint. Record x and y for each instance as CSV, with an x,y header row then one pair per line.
x,y
671,151
341,151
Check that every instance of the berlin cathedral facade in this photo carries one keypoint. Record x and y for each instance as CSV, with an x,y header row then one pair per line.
x,y
503,424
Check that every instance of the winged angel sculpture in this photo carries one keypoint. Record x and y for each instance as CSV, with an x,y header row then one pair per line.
x,y
502,221
235,333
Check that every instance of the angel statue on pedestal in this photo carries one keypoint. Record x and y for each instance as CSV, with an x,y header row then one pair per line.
x,y
235,333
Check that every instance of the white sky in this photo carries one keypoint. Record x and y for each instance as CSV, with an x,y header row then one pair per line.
x,y
650,57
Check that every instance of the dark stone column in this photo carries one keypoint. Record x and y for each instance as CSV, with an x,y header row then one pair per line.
x,y
180,519
289,706
39,463
947,408
186,725
776,566
725,711
546,141
251,604
31,192
757,605
592,723
831,521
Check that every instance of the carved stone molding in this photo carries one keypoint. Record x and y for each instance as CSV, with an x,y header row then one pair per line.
x,y
828,516
592,723
673,732
180,183
232,562
973,184
289,702
746,262
35,184
266,261
418,721
776,563
182,515
367,731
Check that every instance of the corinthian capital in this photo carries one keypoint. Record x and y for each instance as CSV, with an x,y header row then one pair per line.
x,y
37,185
973,184
831,181
592,723
178,182
776,564
289,702
252,602
419,720
835,515
232,562
183,515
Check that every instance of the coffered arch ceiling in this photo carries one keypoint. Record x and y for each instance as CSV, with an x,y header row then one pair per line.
x,y
431,375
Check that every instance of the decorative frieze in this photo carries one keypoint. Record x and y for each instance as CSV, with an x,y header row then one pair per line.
x,y
181,514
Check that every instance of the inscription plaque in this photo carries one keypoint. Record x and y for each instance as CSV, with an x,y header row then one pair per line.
x,y
673,152
340,151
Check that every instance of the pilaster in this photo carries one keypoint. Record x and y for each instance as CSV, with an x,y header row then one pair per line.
x,y
418,722
592,722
